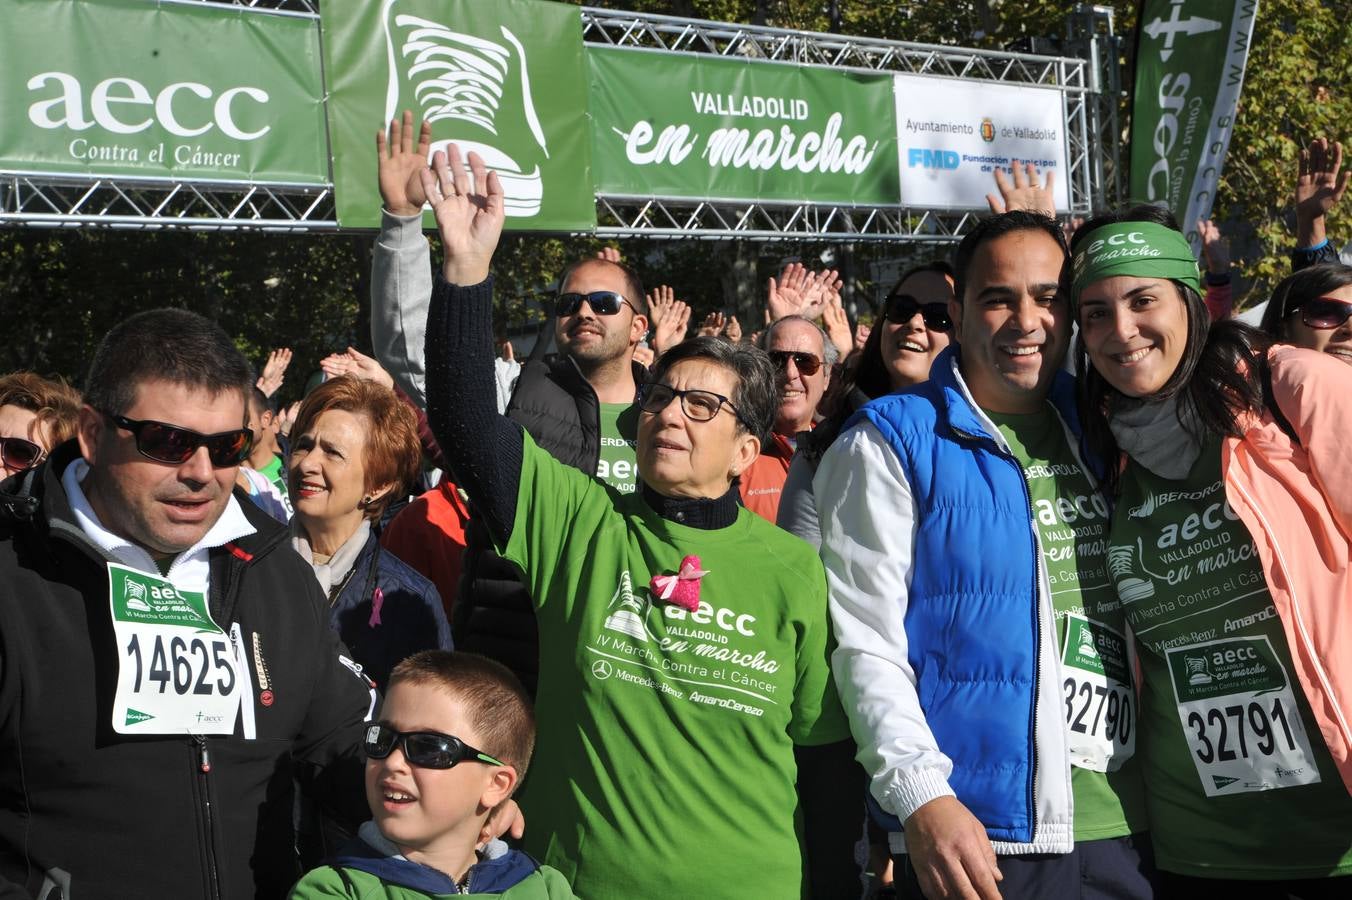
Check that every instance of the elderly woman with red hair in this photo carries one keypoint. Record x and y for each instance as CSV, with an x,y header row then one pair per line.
x,y
354,448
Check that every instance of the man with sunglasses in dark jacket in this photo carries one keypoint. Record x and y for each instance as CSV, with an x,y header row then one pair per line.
x,y
167,670
577,405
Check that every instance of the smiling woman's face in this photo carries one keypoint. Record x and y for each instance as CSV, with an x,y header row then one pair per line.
x,y
908,347
1135,331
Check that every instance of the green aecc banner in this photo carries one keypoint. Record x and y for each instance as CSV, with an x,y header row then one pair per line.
x,y
160,89
680,125
1190,62
504,78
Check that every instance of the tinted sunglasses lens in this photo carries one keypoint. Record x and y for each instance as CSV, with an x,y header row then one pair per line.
x,y
805,363
229,449
165,443
936,317
379,741
567,304
603,303
17,453
901,309
1325,313
432,751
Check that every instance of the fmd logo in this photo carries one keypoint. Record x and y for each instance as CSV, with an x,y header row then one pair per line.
x,y
925,158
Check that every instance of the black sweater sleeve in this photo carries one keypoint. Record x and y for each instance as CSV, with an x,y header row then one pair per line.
x,y
481,446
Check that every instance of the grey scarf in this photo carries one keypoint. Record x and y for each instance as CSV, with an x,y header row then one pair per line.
x,y
1154,435
340,563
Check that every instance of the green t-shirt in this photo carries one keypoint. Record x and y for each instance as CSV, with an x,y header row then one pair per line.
x,y
274,473
664,762
1239,781
1072,523
618,465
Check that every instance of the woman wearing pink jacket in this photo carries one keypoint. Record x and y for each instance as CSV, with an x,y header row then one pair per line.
x,y
1231,551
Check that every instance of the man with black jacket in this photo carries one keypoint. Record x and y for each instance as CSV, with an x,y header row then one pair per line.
x,y
167,671
578,405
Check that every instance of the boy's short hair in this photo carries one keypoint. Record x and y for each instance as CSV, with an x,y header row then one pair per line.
x,y
497,706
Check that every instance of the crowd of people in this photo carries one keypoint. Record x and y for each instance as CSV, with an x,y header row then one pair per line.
x,y
1035,588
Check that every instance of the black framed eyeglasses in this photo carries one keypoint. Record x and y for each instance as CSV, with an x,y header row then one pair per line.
x,y
425,749
19,454
806,363
171,444
603,303
901,308
1325,313
698,406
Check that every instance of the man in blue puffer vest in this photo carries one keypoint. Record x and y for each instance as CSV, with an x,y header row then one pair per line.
x,y
982,655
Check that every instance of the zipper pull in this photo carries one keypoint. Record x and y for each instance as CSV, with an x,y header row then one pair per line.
x,y
206,756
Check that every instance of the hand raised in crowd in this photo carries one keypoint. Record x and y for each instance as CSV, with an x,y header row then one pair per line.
x,y
799,292
952,856
508,820
274,371
671,318
469,209
398,163
644,356
712,325
286,417
1069,226
837,325
861,333
1320,183
1215,248
1023,192
609,254
506,351
358,365
733,330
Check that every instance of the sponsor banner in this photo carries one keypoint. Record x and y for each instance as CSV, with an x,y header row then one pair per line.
x,y
130,87
504,79
1190,62
680,125
953,135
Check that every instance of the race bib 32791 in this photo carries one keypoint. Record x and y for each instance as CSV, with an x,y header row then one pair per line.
x,y
178,671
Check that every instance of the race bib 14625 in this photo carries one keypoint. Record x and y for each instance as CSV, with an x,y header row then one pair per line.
x,y
178,672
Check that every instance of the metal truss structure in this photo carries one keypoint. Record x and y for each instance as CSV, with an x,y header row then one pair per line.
x,y
1091,86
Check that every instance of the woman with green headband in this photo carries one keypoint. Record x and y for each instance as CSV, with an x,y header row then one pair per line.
x,y
1231,551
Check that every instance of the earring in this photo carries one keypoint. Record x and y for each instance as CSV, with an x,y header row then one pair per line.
x,y
365,502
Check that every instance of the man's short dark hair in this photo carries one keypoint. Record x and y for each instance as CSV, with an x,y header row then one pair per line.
x,y
989,229
171,345
633,285
261,401
756,396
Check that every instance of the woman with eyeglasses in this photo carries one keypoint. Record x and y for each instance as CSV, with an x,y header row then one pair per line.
x,y
1231,552
684,692
1313,309
36,414
900,348
353,448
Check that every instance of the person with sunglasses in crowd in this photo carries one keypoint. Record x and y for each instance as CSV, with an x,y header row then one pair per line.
x,y
578,405
1313,309
983,661
689,728
897,353
1231,552
36,414
167,671
804,358
452,745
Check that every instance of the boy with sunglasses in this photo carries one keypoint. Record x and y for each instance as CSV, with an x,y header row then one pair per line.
x,y
452,744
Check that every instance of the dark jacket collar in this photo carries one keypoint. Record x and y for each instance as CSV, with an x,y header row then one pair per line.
x,y
489,876
696,512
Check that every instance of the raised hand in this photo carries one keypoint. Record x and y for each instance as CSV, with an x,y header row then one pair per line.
x,y
713,324
644,356
356,364
837,325
1023,192
469,210
398,163
1215,248
274,371
609,254
733,330
861,333
823,289
784,297
671,318
1320,184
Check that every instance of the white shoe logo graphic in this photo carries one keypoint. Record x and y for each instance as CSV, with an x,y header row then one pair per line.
x,y
478,85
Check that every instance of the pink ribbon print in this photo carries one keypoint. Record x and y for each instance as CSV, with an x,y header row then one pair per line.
x,y
377,601
681,589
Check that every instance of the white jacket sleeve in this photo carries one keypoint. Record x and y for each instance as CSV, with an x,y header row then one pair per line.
x,y
868,530
401,291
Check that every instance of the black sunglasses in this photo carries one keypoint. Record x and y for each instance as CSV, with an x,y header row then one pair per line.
x,y
805,362
603,303
698,406
17,453
1325,313
174,445
901,308
425,749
